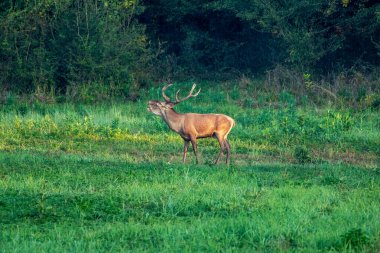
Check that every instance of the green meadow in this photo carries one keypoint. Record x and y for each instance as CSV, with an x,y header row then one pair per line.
x,y
108,177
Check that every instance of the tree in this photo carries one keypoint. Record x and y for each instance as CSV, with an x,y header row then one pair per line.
x,y
70,42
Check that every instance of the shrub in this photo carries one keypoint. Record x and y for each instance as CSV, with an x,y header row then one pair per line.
x,y
52,47
301,154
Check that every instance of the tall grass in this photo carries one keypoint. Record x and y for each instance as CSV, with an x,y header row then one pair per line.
x,y
108,177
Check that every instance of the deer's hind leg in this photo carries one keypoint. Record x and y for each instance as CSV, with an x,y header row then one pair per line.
x,y
228,147
222,147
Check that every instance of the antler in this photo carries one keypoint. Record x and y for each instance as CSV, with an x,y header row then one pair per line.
x,y
167,99
188,96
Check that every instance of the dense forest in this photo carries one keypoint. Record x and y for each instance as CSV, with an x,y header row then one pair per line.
x,y
121,46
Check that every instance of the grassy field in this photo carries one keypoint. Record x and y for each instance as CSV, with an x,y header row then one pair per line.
x,y
108,178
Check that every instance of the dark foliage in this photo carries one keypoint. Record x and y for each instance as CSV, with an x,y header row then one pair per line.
x,y
219,35
92,47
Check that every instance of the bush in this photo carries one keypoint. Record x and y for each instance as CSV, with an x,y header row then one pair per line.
x,y
301,154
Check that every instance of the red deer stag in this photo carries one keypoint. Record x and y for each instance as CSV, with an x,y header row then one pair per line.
x,y
191,126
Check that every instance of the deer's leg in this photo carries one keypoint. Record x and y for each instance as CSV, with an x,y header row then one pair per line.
x,y
228,146
195,148
186,147
222,148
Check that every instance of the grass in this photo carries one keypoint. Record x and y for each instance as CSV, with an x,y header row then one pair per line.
x,y
108,177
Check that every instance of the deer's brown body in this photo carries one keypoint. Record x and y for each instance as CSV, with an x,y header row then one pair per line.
x,y
192,126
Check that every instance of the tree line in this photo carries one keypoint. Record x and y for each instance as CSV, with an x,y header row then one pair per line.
x,y
120,45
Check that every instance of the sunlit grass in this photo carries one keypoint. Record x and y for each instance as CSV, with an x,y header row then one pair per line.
x,y
261,132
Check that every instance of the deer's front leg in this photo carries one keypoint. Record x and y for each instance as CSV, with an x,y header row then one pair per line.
x,y
186,147
195,148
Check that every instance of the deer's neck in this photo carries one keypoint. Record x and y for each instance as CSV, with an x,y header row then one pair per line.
x,y
173,119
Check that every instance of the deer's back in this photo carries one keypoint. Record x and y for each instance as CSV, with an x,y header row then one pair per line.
x,y
206,125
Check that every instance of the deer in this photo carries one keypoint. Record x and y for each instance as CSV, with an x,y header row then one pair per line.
x,y
193,126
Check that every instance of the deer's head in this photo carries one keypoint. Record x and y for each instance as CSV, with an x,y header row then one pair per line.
x,y
158,107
